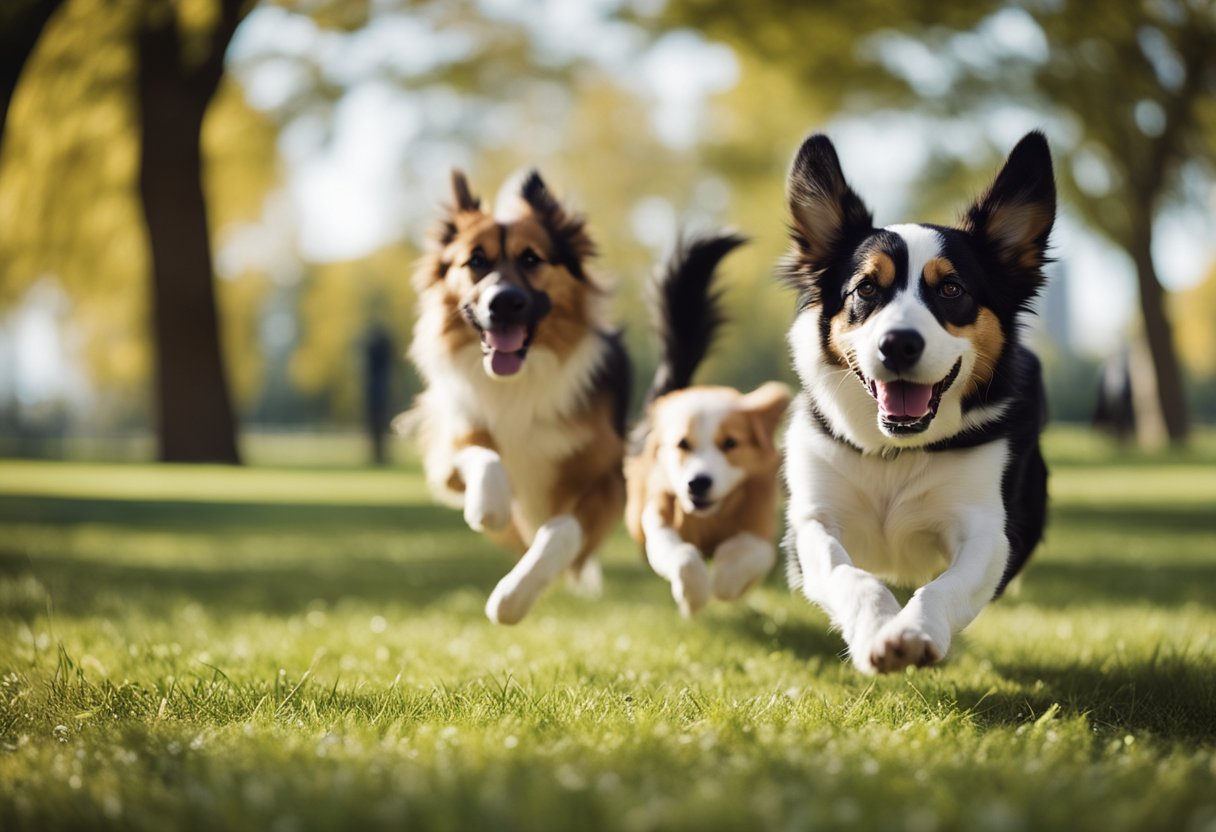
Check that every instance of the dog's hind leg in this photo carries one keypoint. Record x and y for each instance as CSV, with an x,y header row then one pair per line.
x,y
586,579
554,548
857,602
740,562
598,510
922,632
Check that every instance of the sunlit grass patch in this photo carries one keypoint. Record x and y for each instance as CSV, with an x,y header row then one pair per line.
x,y
295,649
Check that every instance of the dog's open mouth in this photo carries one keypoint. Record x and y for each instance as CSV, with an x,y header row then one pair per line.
x,y
505,348
701,504
905,407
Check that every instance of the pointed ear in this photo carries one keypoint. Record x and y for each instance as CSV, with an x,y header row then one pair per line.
x,y
463,202
432,268
766,405
572,244
1013,219
825,212
462,195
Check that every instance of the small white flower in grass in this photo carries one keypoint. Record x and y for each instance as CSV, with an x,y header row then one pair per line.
x,y
511,741
62,733
379,625
75,782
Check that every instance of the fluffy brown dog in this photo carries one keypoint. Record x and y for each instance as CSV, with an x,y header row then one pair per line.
x,y
703,482
522,420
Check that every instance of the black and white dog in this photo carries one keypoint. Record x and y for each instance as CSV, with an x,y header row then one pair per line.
x,y
912,454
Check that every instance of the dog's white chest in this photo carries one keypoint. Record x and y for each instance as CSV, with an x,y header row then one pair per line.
x,y
894,517
902,517
528,418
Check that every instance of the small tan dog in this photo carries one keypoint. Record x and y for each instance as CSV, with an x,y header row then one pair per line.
x,y
702,478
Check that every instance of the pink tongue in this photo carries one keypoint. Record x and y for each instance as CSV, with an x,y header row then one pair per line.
x,y
903,399
505,363
507,338
505,343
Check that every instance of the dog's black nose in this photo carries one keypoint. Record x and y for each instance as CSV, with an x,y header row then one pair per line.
x,y
699,485
900,349
508,306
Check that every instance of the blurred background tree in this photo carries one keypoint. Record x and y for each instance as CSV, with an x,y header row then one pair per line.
x,y
21,24
140,174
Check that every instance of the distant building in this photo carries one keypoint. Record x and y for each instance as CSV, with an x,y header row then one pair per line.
x,y
1052,325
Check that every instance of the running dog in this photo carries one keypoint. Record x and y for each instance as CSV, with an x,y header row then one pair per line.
x,y
912,453
522,419
703,480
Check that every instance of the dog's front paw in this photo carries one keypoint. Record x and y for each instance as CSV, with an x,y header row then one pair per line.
x,y
898,646
510,601
487,499
690,587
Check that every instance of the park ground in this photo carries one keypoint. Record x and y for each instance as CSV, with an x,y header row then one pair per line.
x,y
288,647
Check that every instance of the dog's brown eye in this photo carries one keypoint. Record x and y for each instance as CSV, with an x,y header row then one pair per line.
x,y
477,260
729,443
529,258
866,289
684,445
950,289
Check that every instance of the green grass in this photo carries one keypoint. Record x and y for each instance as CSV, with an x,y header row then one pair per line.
x,y
291,649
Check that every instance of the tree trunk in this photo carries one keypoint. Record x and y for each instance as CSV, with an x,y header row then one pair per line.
x,y
20,27
194,413
1158,334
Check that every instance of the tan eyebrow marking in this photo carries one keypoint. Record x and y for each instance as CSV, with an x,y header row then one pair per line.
x,y
937,270
879,266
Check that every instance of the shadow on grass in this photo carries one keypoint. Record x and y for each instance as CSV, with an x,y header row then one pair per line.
x,y
219,517
1136,521
1169,696
803,638
1061,585
82,588
240,557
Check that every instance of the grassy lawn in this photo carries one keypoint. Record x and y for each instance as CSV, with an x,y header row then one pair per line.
x,y
290,649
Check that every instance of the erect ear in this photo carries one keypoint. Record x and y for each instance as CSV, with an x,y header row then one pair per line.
x,y
572,244
462,196
824,210
1013,218
766,405
463,208
463,203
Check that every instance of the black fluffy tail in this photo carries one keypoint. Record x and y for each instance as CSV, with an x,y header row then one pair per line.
x,y
686,308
